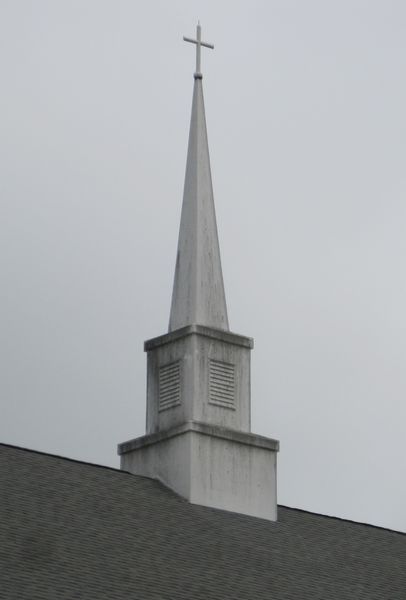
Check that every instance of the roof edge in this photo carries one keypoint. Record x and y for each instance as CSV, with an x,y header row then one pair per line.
x,y
75,460
364,524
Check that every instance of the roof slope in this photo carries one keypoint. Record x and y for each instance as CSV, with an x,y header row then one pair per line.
x,y
74,530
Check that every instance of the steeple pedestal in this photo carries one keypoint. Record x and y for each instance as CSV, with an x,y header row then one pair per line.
x,y
209,465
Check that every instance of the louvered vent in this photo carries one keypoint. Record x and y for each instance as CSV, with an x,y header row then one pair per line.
x,y
169,385
221,384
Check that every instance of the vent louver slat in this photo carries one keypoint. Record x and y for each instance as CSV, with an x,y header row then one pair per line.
x,y
221,384
169,386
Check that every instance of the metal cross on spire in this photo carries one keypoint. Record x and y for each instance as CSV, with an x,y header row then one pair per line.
x,y
199,44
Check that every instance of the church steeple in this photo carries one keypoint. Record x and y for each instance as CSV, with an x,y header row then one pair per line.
x,y
198,438
198,291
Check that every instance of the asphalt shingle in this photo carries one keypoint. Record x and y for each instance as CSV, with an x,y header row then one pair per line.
x,y
73,530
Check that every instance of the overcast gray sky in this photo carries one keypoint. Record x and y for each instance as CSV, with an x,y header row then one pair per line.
x,y
305,104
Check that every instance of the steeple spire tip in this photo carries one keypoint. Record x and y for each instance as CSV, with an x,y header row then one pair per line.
x,y
199,44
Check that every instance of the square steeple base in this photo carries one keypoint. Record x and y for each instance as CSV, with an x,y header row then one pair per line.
x,y
209,465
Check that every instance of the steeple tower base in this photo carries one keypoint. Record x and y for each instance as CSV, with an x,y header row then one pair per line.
x,y
198,440
209,465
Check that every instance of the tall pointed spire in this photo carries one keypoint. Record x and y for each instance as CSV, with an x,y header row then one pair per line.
x,y
198,291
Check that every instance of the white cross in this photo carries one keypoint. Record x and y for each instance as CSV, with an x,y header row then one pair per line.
x,y
199,44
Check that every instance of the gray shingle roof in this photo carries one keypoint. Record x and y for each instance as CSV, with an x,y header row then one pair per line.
x,y
73,530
